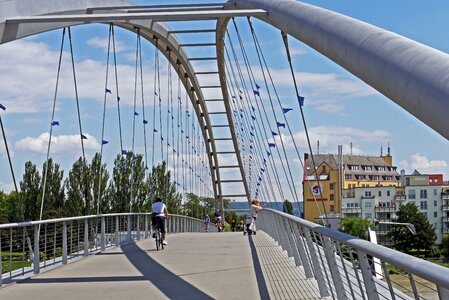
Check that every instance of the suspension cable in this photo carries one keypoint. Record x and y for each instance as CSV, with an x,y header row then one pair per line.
x,y
53,123
9,158
103,142
116,89
289,58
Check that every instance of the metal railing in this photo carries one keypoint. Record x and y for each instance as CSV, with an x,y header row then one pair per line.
x,y
346,267
28,247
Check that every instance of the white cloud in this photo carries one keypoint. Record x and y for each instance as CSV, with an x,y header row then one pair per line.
x,y
424,165
59,144
331,136
6,187
102,43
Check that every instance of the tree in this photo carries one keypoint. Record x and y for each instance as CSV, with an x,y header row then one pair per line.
x,y
161,186
404,240
54,190
128,189
95,171
355,227
79,190
31,192
445,245
287,207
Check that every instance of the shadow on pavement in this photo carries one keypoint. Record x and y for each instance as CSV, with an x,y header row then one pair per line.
x,y
263,290
167,282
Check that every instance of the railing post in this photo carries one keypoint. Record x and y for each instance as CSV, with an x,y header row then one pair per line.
x,y
102,236
64,243
316,264
302,251
138,227
129,229
1,271
332,264
146,226
175,224
370,285
117,232
86,237
36,262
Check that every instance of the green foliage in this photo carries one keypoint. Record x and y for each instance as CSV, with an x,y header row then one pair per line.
x,y
79,190
356,227
54,190
404,240
287,207
445,245
161,186
30,192
98,171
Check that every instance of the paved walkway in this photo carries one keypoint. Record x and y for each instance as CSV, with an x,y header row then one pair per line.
x,y
193,266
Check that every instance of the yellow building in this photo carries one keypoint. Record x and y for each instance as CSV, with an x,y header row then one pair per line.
x,y
336,172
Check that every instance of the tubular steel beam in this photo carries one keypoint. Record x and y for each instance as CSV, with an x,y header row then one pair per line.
x,y
155,16
411,74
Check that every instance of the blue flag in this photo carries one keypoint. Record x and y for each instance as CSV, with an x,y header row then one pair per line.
x,y
279,124
108,91
124,152
155,130
136,113
274,133
83,137
240,96
262,169
301,101
162,138
256,93
252,134
118,98
271,145
233,97
268,153
2,106
104,142
55,123
286,110
145,122
156,94
254,118
257,86
252,107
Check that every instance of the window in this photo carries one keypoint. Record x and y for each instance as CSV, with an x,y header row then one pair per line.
x,y
388,193
435,192
388,178
423,205
354,168
368,216
423,194
348,205
331,196
367,194
331,186
411,194
356,205
368,204
347,176
380,193
435,203
332,208
381,168
435,214
407,181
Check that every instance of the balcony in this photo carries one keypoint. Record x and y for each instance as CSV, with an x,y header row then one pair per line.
x,y
445,196
351,210
444,219
400,197
445,207
385,209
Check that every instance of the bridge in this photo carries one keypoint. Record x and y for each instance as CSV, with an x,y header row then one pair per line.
x,y
220,138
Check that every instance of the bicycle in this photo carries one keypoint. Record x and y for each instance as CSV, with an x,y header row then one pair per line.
x,y
158,237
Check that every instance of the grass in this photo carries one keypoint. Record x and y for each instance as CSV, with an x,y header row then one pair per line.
x,y
16,261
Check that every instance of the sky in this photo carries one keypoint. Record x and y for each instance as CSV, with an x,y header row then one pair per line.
x,y
339,108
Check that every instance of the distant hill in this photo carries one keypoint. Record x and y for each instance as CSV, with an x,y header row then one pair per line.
x,y
297,206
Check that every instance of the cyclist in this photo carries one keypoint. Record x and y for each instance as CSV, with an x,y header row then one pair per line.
x,y
158,216
206,221
217,215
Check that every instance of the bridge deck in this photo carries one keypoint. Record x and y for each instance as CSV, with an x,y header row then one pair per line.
x,y
193,266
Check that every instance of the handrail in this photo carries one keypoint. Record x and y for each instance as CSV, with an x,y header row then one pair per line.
x,y
381,255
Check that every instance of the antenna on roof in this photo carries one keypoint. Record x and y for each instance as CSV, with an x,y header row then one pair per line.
x,y
351,148
381,150
318,147
388,149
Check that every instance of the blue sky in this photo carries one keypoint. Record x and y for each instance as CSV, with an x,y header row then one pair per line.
x,y
340,109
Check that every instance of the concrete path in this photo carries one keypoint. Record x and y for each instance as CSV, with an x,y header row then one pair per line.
x,y
193,266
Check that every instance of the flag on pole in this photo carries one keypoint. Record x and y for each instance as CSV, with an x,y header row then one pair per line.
x,y
55,123
108,91
136,113
301,101
83,137
271,145
286,110
2,106
279,124
104,142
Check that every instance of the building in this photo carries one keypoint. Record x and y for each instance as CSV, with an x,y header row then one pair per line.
x,y
427,192
335,172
